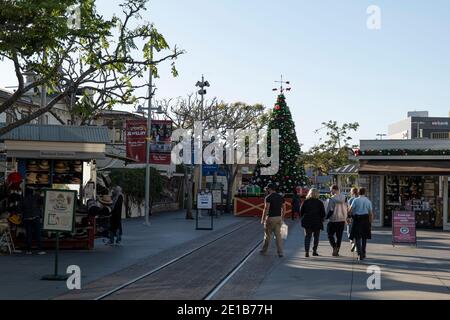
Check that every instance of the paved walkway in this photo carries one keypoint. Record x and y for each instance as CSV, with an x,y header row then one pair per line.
x,y
406,272
20,274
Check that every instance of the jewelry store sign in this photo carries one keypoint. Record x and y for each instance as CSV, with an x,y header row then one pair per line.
x,y
59,210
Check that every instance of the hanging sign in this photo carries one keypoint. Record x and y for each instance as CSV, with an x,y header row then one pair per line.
x,y
160,143
404,227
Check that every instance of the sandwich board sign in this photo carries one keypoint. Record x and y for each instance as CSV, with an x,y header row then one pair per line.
x,y
59,216
204,201
404,227
217,196
59,210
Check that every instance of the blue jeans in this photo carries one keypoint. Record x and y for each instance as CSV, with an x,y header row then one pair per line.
x,y
33,226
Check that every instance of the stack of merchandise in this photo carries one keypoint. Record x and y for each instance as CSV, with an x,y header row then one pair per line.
x,y
77,166
61,167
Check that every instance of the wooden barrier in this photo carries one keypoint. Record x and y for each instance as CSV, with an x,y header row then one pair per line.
x,y
254,206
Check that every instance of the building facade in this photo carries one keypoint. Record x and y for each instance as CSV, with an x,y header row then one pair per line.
x,y
419,125
407,175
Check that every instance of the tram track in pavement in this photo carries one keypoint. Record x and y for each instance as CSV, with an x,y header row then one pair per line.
x,y
197,274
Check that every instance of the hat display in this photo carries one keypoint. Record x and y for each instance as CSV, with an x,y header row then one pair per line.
x,y
77,166
105,199
32,178
43,178
44,165
76,180
61,167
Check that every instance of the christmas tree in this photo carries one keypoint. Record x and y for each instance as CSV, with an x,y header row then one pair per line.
x,y
291,173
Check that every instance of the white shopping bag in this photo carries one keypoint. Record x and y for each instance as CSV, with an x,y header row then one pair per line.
x,y
284,231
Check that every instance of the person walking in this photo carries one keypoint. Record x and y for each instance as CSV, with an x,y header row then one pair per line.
x,y
362,214
353,195
32,215
312,214
337,216
272,218
116,216
295,204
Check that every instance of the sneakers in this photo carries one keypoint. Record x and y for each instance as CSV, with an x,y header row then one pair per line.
x,y
353,246
306,254
280,255
315,254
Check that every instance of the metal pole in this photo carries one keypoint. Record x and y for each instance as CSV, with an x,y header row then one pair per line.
x,y
147,156
201,141
56,254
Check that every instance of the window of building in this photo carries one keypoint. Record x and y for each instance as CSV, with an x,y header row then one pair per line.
x,y
440,135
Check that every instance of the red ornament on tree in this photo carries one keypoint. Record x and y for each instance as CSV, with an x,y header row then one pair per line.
x,y
277,107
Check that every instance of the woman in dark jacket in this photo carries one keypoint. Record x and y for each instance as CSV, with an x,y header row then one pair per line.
x,y
116,216
313,215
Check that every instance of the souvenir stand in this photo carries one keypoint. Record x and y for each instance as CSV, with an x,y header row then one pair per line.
x,y
57,157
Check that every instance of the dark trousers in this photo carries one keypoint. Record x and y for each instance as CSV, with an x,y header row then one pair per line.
x,y
33,226
361,244
335,229
308,235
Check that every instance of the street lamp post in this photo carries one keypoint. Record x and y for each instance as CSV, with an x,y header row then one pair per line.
x,y
201,84
381,135
148,142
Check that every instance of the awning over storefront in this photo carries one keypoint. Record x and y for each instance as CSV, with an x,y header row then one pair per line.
x,y
349,169
436,168
56,142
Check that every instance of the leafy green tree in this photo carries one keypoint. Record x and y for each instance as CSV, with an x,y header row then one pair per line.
x,y
132,180
106,57
334,151
291,174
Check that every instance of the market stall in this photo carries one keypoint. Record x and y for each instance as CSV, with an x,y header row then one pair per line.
x,y
408,176
57,157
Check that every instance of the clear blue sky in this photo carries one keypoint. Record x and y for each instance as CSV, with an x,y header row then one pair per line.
x,y
338,68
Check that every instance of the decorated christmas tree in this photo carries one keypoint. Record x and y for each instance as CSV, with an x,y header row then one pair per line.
x,y
291,173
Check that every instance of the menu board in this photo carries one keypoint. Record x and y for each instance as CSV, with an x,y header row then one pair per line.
x,y
375,194
59,210
404,227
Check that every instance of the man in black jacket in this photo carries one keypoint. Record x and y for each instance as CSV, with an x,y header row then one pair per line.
x,y
32,215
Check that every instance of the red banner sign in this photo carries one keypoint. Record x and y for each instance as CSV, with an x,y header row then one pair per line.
x,y
160,144
404,227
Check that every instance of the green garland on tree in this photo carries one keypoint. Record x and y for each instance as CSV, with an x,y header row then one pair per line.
x,y
291,173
